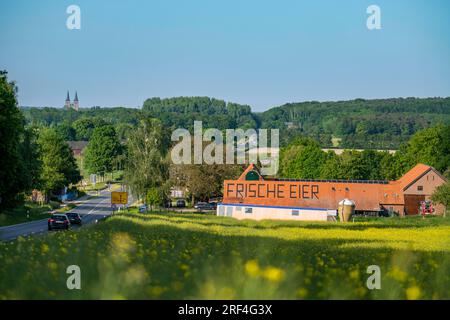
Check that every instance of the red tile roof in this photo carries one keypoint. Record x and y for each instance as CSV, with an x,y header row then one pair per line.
x,y
413,175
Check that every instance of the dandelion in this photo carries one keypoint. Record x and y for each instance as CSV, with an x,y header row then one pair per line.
x,y
156,291
226,294
302,293
44,248
354,274
273,274
135,275
184,267
413,293
122,242
252,268
52,266
398,274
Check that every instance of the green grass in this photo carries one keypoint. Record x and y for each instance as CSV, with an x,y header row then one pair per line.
x,y
30,211
27,212
66,208
195,256
98,186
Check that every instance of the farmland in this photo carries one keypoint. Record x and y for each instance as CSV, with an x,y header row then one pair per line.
x,y
192,256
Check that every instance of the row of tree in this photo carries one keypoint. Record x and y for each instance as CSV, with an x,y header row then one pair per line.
x,y
359,123
30,158
304,159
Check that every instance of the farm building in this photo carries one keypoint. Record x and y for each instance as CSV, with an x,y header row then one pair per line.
x,y
77,147
252,196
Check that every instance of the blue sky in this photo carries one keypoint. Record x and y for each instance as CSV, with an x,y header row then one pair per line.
x,y
256,52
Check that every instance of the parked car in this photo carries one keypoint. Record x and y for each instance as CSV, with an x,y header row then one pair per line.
x,y
204,206
167,204
74,218
214,204
181,203
58,221
143,209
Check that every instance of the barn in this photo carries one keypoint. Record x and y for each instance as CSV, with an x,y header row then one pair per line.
x,y
253,196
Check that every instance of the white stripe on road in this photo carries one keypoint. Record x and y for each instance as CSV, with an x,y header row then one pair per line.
x,y
93,209
81,203
36,223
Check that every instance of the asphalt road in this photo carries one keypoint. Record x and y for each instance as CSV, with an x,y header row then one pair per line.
x,y
90,210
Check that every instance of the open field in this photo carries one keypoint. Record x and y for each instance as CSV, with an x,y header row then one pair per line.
x,y
148,256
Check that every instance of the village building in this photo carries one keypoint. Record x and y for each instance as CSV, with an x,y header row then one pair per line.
x,y
77,147
253,196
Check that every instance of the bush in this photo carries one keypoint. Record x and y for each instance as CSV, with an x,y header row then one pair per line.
x,y
54,204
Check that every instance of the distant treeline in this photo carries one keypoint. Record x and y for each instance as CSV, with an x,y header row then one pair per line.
x,y
183,111
359,123
377,124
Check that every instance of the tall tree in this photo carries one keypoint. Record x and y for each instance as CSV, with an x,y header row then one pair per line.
x,y
31,161
302,159
102,150
11,133
429,146
84,127
146,165
66,131
203,181
59,167
442,195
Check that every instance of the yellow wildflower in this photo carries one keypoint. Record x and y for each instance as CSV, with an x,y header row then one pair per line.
x,y
252,268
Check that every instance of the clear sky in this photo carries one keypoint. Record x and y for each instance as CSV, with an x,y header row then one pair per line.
x,y
256,52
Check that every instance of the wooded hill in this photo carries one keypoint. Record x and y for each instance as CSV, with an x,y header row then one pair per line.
x,y
359,123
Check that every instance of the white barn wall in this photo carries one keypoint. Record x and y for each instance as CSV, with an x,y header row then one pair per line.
x,y
271,213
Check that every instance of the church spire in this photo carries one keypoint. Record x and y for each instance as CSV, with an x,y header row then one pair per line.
x,y
75,102
67,103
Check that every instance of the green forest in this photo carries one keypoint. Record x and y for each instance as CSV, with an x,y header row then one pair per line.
x,y
359,123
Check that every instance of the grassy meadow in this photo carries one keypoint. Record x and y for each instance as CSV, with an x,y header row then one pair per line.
x,y
26,212
194,256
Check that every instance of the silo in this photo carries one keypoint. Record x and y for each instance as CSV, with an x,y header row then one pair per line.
x,y
346,209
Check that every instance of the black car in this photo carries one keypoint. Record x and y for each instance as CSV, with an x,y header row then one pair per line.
x,y
204,206
181,203
74,218
167,204
58,221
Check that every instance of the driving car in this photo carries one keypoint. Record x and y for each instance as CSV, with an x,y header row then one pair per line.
x,y
58,221
74,218
204,206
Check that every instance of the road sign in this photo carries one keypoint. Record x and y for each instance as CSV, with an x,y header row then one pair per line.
x,y
119,197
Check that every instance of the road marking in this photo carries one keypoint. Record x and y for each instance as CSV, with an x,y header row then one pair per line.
x,y
37,222
93,209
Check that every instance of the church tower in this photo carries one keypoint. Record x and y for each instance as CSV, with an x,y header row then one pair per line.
x,y
75,101
67,104
75,105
